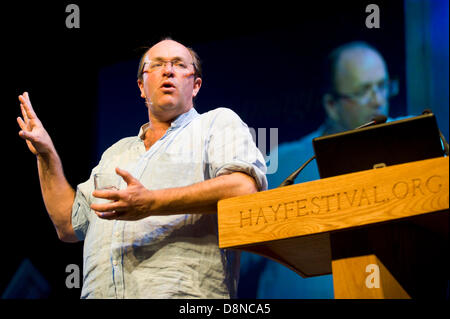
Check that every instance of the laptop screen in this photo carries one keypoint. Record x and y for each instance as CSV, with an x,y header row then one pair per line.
x,y
412,139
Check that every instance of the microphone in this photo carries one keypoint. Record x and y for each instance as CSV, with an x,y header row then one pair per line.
x,y
378,119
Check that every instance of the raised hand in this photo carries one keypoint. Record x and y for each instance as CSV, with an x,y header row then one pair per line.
x,y
32,130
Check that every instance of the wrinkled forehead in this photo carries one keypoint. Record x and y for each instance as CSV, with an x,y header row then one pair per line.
x,y
359,67
168,50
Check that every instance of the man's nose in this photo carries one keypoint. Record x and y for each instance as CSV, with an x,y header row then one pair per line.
x,y
168,68
377,98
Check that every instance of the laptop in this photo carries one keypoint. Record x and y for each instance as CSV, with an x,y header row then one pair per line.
x,y
407,140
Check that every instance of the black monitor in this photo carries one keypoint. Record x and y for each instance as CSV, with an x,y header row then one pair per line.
x,y
407,140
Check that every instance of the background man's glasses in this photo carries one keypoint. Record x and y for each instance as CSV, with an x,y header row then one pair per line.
x,y
387,88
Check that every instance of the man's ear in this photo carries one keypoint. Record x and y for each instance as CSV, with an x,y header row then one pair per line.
x,y
141,88
197,85
329,103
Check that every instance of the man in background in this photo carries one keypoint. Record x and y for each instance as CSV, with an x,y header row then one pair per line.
x,y
355,88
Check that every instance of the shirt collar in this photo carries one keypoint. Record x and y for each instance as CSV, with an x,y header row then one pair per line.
x,y
184,118
179,121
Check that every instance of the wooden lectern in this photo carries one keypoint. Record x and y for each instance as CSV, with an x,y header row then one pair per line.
x,y
382,233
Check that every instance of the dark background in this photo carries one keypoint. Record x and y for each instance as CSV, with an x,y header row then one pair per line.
x,y
260,58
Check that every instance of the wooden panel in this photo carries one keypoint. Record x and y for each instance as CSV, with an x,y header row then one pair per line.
x,y
335,203
365,277
405,258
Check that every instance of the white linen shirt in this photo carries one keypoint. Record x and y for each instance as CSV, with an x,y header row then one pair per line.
x,y
174,256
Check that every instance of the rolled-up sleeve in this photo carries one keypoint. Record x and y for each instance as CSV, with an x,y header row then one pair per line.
x,y
80,213
231,149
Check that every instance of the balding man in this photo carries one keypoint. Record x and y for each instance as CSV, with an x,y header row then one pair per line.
x,y
157,237
356,87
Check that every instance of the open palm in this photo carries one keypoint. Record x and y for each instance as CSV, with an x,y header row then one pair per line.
x,y
32,130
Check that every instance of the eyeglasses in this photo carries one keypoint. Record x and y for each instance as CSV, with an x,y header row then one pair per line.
x,y
177,64
387,88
